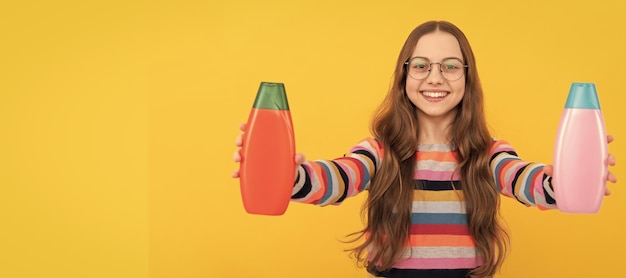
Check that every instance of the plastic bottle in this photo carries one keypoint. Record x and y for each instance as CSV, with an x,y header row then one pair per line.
x,y
580,152
267,167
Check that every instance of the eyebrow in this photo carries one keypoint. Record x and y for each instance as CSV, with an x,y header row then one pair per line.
x,y
445,58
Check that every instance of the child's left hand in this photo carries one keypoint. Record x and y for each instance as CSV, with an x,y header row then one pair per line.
x,y
611,161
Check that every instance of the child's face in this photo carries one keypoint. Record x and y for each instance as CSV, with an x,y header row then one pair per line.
x,y
434,96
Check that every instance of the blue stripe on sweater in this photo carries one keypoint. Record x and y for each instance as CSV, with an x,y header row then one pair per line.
x,y
328,181
438,218
529,187
498,170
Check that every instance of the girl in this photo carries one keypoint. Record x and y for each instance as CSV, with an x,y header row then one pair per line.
x,y
432,170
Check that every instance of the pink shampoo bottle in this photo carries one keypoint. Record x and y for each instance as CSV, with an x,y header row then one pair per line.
x,y
580,152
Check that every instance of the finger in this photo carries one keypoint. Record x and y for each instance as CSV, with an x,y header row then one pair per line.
x,y
609,138
237,156
612,178
607,192
611,160
300,158
242,127
239,140
235,174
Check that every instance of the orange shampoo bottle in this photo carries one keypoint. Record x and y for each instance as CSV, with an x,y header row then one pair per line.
x,y
267,167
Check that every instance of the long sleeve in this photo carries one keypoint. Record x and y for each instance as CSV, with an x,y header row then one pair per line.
x,y
325,182
524,181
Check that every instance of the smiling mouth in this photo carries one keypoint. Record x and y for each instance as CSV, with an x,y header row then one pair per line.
x,y
438,94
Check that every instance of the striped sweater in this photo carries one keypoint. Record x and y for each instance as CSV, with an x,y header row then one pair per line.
x,y
440,244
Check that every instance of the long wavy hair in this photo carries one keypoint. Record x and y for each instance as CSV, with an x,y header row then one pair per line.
x,y
388,205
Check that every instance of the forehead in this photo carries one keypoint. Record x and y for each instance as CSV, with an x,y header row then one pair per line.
x,y
437,46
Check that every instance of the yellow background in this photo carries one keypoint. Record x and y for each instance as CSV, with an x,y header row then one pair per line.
x,y
118,119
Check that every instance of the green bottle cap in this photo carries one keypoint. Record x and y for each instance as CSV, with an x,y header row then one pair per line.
x,y
271,96
582,95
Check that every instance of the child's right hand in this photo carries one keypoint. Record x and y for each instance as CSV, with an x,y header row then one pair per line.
x,y
299,158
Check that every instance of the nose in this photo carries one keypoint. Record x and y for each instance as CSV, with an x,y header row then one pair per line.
x,y
437,76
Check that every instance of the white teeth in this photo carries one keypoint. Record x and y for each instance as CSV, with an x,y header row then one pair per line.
x,y
434,94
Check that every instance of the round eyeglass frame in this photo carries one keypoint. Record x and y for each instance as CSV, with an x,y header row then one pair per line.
x,y
430,67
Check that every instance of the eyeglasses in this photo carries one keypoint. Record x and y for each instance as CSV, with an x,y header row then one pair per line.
x,y
419,68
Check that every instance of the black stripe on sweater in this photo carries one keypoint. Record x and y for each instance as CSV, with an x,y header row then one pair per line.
x,y
421,273
498,153
368,155
436,185
344,178
549,198
513,184
306,187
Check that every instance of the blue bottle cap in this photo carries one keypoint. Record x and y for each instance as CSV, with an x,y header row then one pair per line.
x,y
583,95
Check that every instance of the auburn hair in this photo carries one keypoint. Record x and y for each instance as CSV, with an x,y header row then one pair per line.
x,y
395,125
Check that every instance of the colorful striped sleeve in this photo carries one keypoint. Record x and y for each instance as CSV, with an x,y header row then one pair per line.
x,y
524,181
325,182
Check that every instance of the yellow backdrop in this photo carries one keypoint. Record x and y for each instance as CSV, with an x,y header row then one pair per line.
x,y
118,120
